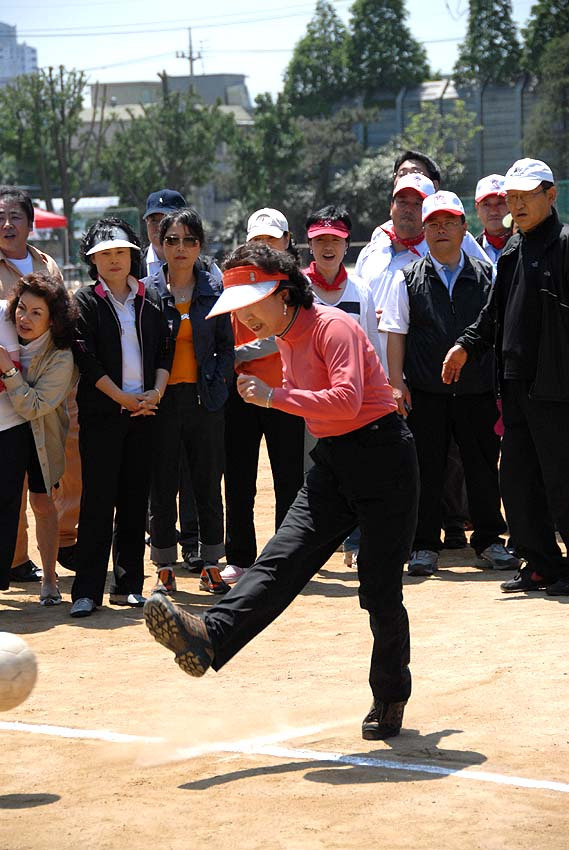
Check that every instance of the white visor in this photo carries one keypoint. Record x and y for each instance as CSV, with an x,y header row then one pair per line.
x,y
242,295
117,238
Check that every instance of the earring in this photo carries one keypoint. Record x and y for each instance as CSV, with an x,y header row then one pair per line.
x,y
285,308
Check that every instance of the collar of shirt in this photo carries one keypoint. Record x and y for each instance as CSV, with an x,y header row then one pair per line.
x,y
133,286
442,268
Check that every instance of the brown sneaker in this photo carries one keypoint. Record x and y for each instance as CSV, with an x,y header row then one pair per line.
x,y
383,721
182,633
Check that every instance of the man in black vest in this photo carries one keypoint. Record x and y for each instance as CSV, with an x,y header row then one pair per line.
x,y
438,296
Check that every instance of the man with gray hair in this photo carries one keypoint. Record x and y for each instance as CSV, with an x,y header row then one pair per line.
x,y
527,320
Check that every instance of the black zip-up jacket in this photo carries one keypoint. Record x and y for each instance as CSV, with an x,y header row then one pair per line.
x,y
552,376
212,338
435,320
98,350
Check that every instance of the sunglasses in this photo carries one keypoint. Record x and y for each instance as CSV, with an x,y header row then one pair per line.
x,y
186,241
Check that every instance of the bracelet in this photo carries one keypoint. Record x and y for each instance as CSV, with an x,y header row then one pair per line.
x,y
156,390
11,372
269,401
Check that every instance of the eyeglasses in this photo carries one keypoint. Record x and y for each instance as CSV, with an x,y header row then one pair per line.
x,y
524,197
186,241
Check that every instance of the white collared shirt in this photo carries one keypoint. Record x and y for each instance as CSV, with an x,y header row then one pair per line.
x,y
132,376
153,261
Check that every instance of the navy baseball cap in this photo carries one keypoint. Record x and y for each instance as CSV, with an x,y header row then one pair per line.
x,y
164,201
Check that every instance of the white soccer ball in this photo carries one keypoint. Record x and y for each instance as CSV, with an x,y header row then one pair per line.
x,y
18,670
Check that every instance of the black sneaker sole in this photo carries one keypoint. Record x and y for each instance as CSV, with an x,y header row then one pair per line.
x,y
373,733
182,637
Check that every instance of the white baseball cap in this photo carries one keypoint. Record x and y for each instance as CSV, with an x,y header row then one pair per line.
x,y
266,222
416,181
114,237
527,174
245,285
493,184
442,202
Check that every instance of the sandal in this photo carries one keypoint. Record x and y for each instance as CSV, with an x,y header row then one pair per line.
x,y
50,599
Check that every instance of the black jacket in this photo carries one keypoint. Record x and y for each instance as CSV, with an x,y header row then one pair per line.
x,y
212,338
435,320
552,375
98,351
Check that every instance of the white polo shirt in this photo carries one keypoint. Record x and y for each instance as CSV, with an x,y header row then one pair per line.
x,y
132,374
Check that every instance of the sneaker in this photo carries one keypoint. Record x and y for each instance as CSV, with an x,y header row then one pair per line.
x,y
232,573
525,579
133,600
210,580
558,588
28,571
351,559
83,607
51,598
192,561
165,581
182,633
497,556
383,721
423,562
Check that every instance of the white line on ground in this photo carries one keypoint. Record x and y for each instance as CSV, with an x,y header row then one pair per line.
x,y
265,746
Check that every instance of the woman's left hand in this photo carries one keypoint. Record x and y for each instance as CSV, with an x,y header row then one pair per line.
x,y
149,402
253,390
6,362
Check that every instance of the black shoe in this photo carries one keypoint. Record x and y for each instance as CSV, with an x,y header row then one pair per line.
x,y
66,557
558,588
525,580
383,721
28,571
192,561
182,633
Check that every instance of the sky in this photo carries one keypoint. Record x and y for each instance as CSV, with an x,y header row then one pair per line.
x,y
127,40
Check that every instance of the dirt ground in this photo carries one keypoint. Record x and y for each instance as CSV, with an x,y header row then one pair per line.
x,y
267,754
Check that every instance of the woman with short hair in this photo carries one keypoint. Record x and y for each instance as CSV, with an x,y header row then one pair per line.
x,y
37,327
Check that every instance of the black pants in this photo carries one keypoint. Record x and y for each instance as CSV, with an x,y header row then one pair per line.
x,y
534,475
115,465
184,422
187,510
470,420
14,455
245,425
368,478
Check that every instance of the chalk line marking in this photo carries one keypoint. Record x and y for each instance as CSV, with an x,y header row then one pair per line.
x,y
266,745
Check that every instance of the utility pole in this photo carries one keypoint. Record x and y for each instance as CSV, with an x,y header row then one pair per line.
x,y
190,56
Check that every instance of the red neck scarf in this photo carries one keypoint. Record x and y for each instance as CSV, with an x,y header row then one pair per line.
x,y
409,243
321,281
497,242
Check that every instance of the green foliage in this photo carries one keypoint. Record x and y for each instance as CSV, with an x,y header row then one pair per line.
x,y
547,136
315,78
548,19
41,126
490,52
170,143
445,137
382,54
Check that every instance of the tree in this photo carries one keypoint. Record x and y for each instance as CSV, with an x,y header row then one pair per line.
x,y
170,143
547,136
490,52
315,79
41,125
382,54
548,19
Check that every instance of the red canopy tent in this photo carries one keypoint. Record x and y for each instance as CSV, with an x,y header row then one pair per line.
x,y
44,219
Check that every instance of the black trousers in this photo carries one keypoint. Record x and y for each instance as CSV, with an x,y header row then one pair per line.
x,y
14,456
187,510
115,465
470,420
534,475
245,425
368,478
185,423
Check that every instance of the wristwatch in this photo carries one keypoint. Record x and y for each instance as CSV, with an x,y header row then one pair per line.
x,y
10,373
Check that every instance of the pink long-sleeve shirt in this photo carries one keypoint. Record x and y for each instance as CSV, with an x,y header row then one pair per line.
x,y
331,374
